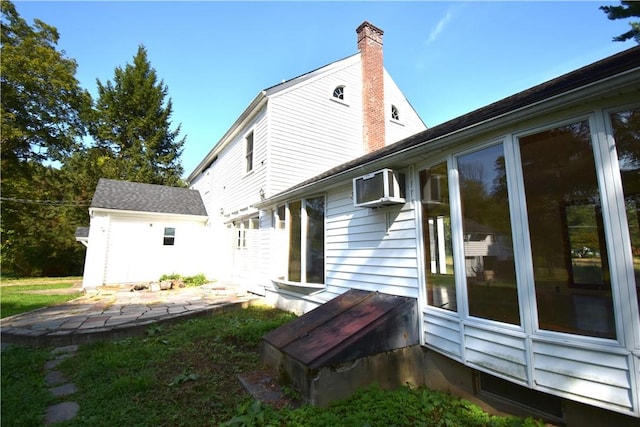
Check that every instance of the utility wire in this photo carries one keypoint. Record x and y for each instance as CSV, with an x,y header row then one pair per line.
x,y
46,202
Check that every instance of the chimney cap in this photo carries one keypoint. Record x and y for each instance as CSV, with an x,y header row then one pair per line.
x,y
369,25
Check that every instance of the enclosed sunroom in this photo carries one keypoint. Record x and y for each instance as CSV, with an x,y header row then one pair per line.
x,y
518,234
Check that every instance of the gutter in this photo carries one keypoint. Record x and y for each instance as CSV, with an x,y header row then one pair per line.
x,y
406,149
256,105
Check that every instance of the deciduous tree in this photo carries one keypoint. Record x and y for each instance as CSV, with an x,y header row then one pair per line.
x,y
42,121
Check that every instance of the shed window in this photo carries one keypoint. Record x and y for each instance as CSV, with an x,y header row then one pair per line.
x,y
169,236
338,92
395,115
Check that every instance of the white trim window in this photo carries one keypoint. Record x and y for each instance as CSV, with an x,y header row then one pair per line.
x,y
306,254
169,237
248,156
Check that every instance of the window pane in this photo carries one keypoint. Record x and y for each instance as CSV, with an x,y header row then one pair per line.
x,y
169,236
249,152
315,240
436,232
295,226
571,273
488,248
626,131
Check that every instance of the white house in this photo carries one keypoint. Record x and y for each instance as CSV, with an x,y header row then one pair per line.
x,y
329,182
517,190
139,232
289,133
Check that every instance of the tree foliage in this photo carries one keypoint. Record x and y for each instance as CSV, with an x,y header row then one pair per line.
x,y
49,172
42,102
132,130
43,109
627,9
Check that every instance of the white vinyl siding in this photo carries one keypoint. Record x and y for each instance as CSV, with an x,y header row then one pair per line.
x,y
362,253
228,192
593,375
135,250
310,132
496,351
409,122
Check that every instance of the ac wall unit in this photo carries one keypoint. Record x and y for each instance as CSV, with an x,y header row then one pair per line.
x,y
383,187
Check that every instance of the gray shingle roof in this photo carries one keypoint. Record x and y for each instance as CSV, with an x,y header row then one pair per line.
x,y
134,196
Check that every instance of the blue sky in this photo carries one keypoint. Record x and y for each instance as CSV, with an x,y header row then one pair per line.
x,y
448,58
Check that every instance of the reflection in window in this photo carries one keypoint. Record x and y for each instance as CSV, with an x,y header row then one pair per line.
x,y
571,273
626,131
295,236
249,153
280,242
315,240
488,248
306,241
436,231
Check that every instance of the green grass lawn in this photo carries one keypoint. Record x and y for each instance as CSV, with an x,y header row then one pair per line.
x,y
186,375
19,296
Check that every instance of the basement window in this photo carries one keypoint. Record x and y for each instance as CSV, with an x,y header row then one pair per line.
x,y
169,236
542,404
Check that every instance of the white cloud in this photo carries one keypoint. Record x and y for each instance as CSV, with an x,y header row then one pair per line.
x,y
435,32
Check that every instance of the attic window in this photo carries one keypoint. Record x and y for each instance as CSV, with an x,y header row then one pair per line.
x,y
338,92
395,115
169,236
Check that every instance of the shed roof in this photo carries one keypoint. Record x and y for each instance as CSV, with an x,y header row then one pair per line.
x,y
136,196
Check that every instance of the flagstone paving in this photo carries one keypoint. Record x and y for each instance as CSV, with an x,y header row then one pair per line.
x,y
107,313
116,312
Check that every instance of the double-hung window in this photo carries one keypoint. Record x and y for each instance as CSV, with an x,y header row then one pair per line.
x,y
248,157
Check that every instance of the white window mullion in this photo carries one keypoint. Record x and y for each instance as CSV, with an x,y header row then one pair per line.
x,y
304,221
286,240
616,232
521,248
457,240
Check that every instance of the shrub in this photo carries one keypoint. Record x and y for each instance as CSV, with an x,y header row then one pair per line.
x,y
197,280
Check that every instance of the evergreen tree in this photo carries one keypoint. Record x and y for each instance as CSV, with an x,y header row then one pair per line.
x,y
627,9
132,129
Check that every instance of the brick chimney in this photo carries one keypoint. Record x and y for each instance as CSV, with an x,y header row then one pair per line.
x,y
370,47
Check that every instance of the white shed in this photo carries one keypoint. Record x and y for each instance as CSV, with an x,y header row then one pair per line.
x,y
138,232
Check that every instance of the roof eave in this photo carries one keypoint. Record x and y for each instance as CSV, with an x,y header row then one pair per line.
x,y
406,152
166,215
253,109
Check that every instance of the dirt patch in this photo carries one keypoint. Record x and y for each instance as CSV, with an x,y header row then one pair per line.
x,y
263,387
77,281
68,291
